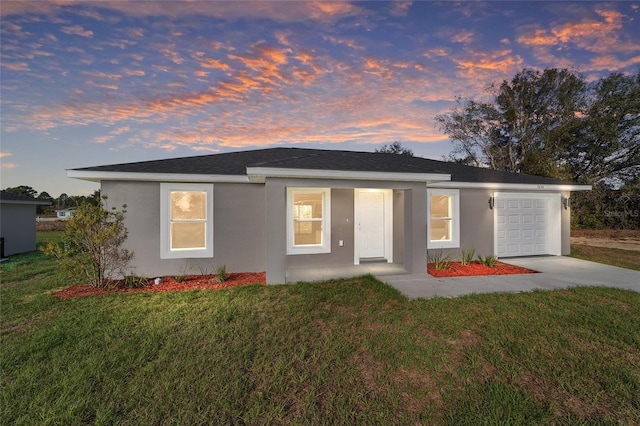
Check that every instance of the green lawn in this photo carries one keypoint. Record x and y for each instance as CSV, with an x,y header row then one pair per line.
x,y
611,256
340,352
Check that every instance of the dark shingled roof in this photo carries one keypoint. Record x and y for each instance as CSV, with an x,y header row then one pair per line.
x,y
236,163
12,196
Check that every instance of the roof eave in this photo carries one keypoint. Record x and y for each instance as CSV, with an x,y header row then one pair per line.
x,y
518,186
29,202
98,176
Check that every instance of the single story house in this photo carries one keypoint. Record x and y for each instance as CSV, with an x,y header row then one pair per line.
x,y
302,214
65,214
18,222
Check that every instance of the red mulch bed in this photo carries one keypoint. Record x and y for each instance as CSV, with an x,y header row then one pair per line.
x,y
191,282
475,268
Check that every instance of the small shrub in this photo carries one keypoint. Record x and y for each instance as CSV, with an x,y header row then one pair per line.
x,y
440,261
182,276
221,273
489,261
467,256
92,246
135,281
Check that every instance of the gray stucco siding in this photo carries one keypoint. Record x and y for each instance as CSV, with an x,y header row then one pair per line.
x,y
250,226
238,224
239,227
477,223
566,227
398,225
342,229
415,235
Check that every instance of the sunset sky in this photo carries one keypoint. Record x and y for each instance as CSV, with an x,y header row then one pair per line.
x,y
87,83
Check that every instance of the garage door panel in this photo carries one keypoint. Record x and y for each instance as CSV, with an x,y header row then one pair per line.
x,y
515,249
527,248
521,226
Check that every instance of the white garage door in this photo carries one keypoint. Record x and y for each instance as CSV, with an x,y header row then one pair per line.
x,y
525,224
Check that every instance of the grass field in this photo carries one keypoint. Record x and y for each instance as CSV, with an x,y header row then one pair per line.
x,y
339,352
610,256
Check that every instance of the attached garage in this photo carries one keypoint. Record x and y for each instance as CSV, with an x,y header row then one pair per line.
x,y
527,224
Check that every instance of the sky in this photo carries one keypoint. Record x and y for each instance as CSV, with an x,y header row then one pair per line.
x,y
85,83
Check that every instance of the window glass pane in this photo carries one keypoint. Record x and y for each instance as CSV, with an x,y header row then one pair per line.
x,y
440,230
440,206
188,235
307,232
307,206
188,205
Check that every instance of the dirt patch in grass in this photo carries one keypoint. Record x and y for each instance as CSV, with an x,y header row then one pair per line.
x,y
614,234
625,239
51,225
190,282
457,269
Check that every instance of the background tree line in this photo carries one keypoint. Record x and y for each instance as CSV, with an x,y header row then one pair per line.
x,y
556,124
64,201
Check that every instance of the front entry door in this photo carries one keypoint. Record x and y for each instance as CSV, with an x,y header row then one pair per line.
x,y
371,224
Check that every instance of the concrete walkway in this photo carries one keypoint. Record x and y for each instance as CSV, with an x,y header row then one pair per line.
x,y
555,272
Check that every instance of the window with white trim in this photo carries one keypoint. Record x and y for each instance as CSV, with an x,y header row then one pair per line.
x,y
444,218
186,220
308,220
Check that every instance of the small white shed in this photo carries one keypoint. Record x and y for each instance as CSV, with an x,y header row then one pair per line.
x,y
65,214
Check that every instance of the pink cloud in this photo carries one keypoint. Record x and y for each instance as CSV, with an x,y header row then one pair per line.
x,y
77,30
501,61
15,66
463,36
231,10
214,63
3,164
133,73
593,35
400,8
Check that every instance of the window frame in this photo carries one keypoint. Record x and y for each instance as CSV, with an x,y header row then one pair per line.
x,y
166,252
455,219
325,247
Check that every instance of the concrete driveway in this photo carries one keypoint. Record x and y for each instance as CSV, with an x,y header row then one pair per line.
x,y
555,272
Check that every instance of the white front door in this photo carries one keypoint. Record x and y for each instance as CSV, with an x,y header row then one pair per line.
x,y
371,224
